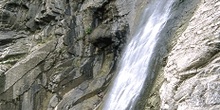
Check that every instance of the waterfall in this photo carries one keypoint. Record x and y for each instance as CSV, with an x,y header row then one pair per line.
x,y
136,59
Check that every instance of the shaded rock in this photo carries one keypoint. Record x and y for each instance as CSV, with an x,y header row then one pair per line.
x,y
102,36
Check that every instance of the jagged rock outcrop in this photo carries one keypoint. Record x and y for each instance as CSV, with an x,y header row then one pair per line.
x,y
58,54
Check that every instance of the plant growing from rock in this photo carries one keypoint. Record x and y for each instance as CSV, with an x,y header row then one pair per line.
x,y
88,31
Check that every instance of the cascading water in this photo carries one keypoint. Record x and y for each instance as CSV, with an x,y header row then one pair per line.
x,y
135,62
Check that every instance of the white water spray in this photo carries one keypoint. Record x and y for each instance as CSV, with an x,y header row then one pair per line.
x,y
135,61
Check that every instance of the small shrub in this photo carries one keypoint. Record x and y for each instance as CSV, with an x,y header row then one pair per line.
x,y
88,31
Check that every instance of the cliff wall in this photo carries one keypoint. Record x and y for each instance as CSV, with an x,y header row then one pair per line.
x,y
62,54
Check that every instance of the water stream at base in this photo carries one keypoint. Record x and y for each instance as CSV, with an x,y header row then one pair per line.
x,y
137,56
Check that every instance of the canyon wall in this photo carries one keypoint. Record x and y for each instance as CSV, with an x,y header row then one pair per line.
x,y
59,54
62,54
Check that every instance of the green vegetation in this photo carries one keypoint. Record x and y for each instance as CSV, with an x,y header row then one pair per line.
x,y
88,31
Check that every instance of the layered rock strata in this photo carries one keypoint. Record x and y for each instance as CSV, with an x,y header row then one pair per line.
x,y
58,54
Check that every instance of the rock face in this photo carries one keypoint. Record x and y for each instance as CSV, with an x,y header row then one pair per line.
x,y
61,54
58,54
192,70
